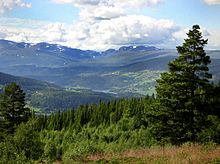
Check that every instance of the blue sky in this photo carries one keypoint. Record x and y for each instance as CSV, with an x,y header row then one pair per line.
x,y
45,10
187,12
102,24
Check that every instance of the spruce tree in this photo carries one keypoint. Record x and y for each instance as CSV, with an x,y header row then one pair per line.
x,y
12,108
182,91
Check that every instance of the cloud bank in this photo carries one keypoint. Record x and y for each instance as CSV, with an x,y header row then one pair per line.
x,y
212,2
102,24
100,35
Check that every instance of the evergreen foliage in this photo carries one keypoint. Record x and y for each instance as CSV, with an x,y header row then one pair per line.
x,y
183,91
27,140
12,108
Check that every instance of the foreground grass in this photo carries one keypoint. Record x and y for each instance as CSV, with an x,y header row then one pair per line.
x,y
186,154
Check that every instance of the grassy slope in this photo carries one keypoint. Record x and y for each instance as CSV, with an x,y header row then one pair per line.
x,y
196,154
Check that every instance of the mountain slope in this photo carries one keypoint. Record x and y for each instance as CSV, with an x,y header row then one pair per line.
x,y
29,85
49,97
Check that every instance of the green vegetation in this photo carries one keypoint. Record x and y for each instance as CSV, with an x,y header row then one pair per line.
x,y
54,100
121,83
46,97
180,124
141,82
107,128
12,108
183,92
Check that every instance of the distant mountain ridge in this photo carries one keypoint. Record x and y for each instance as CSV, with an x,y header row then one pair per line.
x,y
129,71
44,46
138,48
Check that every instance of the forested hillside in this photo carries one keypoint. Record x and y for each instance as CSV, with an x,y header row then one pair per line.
x,y
115,126
47,97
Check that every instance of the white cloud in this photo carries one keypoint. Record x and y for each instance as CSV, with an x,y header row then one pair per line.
x,y
131,3
54,32
212,2
213,39
124,30
104,34
213,36
136,3
93,10
80,2
107,9
128,30
102,24
101,13
10,4
41,32
100,35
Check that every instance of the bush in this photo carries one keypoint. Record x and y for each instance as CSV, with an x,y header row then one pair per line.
x,y
27,140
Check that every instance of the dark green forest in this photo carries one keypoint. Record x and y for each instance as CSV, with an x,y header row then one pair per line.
x,y
186,109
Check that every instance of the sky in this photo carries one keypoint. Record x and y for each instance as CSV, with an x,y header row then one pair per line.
x,y
103,24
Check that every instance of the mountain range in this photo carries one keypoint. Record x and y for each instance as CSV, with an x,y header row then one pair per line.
x,y
126,72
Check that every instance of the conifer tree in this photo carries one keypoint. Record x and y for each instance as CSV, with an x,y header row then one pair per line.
x,y
12,107
182,91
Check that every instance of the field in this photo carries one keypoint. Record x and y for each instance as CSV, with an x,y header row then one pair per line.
x,y
186,154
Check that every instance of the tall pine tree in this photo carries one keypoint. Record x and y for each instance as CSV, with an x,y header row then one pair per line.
x,y
12,108
182,92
